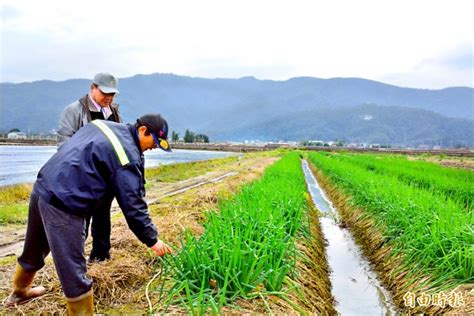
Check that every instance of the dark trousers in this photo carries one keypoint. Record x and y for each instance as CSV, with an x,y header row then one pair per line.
x,y
53,230
100,229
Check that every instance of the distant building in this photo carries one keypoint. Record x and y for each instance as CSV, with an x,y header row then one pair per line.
x,y
313,143
423,147
16,135
286,144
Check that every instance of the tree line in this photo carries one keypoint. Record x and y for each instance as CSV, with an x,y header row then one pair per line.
x,y
190,137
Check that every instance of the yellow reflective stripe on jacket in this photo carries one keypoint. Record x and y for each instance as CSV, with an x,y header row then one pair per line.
x,y
122,156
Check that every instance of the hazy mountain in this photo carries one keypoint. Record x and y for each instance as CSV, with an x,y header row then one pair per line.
x,y
247,108
365,123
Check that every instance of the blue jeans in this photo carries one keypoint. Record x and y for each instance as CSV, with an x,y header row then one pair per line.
x,y
53,230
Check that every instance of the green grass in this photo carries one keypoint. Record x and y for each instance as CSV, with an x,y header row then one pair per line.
x,y
181,171
13,214
434,233
15,193
8,260
14,204
247,249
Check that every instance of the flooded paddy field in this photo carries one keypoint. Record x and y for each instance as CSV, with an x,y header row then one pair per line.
x,y
270,234
20,164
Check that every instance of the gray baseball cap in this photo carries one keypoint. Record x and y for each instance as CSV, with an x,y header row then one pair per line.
x,y
106,82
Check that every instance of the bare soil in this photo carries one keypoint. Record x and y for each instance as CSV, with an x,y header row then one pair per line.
x,y
453,162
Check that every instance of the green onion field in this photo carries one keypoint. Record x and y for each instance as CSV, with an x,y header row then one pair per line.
x,y
423,211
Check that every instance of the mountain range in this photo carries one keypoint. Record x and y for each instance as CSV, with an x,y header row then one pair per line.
x,y
302,108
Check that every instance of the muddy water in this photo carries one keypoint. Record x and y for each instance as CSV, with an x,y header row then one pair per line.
x,y
354,284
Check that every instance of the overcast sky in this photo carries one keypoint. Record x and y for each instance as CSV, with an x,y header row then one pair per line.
x,y
421,44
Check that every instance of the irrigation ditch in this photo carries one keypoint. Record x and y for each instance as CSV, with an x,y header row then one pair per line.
x,y
355,285
271,233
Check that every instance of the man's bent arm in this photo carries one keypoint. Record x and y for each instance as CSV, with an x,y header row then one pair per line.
x,y
128,187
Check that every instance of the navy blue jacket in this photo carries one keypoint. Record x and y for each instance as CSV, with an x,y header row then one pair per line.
x,y
86,167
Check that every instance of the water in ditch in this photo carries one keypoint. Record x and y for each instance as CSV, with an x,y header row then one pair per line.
x,y
354,284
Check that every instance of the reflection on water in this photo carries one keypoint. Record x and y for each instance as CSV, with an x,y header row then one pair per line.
x,y
354,284
20,164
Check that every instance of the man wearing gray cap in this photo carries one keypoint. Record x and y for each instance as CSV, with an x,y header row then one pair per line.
x,y
96,105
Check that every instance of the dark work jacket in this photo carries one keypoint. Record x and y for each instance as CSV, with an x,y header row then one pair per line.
x,y
86,167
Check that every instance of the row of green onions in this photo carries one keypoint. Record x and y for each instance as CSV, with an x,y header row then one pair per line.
x,y
456,184
248,247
